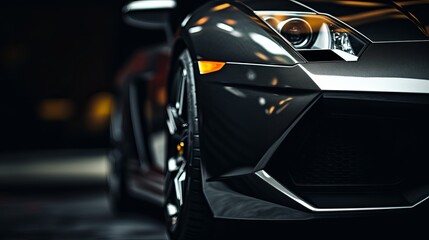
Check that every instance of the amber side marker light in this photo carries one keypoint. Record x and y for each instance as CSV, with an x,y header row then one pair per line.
x,y
210,66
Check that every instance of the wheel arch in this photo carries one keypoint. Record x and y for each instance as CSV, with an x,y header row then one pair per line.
x,y
210,43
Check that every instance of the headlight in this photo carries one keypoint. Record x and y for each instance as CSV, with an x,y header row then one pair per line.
x,y
314,31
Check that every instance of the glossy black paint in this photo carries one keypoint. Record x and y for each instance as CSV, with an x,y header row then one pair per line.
x,y
418,10
239,125
235,34
240,85
272,78
249,107
236,188
398,59
238,139
248,205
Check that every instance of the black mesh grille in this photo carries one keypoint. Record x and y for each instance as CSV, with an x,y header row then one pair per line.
x,y
349,151
357,150
356,140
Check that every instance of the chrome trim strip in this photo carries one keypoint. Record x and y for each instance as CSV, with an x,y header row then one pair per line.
x,y
271,181
267,178
178,180
369,84
171,124
149,5
260,64
283,13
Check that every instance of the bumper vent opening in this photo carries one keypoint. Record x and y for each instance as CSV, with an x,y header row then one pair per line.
x,y
358,150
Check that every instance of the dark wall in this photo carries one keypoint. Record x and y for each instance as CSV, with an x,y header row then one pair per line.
x,y
58,61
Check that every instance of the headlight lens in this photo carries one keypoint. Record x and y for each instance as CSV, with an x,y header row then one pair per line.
x,y
314,31
297,31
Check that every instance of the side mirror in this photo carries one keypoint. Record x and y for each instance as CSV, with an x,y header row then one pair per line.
x,y
148,14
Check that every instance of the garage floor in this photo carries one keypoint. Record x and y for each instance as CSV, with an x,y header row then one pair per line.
x,y
61,195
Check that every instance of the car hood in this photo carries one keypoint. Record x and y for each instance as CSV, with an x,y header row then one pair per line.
x,y
379,20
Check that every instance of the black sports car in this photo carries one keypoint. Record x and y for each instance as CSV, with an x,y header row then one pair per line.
x,y
280,110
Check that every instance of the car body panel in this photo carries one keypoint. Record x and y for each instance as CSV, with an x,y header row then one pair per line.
x,y
252,107
240,125
240,36
265,76
243,86
382,67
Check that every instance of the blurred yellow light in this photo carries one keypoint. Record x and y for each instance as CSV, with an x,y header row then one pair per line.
x,y
372,16
230,21
99,110
285,100
274,81
282,108
361,3
180,148
280,59
202,20
271,110
412,3
55,109
161,97
221,7
261,56
210,66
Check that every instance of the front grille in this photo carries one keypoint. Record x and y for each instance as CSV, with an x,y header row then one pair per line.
x,y
347,150
353,145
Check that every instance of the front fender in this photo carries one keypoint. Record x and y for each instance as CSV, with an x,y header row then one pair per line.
x,y
247,106
231,32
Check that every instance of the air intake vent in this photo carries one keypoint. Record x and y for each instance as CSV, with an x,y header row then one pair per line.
x,y
355,145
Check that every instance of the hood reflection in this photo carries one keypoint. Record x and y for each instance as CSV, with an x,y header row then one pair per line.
x,y
235,91
282,105
257,44
221,7
372,16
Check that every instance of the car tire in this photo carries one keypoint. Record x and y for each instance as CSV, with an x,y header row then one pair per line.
x,y
193,218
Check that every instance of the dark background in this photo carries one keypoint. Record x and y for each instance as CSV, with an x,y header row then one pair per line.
x,y
58,63
59,68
